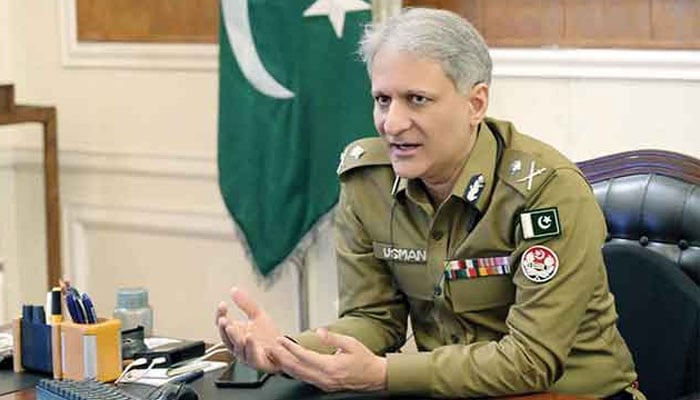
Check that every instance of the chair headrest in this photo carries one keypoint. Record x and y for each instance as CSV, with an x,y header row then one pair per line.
x,y
651,199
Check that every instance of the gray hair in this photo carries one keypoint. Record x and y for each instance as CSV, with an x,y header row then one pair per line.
x,y
437,35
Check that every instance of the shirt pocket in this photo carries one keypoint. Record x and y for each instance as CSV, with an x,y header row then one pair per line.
x,y
477,294
413,280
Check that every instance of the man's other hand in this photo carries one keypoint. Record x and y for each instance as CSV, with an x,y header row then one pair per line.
x,y
352,367
251,340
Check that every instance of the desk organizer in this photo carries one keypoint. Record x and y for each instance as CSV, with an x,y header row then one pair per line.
x,y
34,347
91,350
68,350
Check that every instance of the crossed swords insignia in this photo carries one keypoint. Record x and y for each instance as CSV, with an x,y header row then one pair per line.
x,y
533,173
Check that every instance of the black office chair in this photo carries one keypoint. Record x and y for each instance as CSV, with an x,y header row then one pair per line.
x,y
651,202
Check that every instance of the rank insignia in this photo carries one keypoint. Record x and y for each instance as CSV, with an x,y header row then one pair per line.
x,y
540,223
515,167
533,173
357,152
476,185
539,264
476,267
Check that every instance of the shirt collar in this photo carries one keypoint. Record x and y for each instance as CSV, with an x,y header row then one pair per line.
x,y
481,162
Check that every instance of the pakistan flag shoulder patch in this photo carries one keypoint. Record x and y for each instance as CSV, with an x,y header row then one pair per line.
x,y
540,223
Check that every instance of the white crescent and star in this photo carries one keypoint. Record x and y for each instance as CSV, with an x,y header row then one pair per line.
x,y
335,10
237,24
544,222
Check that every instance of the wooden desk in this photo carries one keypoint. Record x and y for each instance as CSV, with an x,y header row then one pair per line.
x,y
17,114
275,388
28,394
278,388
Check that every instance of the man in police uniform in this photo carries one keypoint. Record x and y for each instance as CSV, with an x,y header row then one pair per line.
x,y
488,239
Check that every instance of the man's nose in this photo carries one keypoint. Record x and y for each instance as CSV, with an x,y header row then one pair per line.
x,y
396,119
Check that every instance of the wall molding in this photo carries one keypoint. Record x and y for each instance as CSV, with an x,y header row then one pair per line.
x,y
129,163
679,65
79,218
74,54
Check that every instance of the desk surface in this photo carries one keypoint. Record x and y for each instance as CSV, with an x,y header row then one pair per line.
x,y
276,388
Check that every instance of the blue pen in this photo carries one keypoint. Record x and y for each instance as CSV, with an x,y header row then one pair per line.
x,y
76,313
89,309
70,305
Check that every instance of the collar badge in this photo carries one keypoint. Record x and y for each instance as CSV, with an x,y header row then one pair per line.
x,y
476,185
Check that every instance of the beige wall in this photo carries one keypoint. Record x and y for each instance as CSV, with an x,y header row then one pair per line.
x,y
138,175
586,117
4,42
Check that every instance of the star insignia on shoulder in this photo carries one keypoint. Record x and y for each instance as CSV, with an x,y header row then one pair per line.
x,y
357,152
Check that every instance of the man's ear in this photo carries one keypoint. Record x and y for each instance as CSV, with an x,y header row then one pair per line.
x,y
478,103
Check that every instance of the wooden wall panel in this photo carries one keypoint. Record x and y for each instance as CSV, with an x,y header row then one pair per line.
x,y
191,21
522,22
470,9
663,24
504,23
676,22
607,22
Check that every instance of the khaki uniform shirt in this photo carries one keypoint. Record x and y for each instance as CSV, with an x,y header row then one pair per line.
x,y
496,323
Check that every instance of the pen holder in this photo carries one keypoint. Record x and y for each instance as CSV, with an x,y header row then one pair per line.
x,y
91,350
36,347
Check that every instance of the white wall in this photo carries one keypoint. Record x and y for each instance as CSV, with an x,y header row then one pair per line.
x,y
138,175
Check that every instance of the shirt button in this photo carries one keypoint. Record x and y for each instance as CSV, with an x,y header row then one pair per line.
x,y
437,290
437,235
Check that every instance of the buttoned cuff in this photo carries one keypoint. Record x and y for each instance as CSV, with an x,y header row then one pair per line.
x,y
310,340
408,373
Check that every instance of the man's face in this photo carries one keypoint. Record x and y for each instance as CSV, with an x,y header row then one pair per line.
x,y
420,114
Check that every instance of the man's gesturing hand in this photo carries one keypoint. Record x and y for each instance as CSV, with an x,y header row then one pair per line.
x,y
249,340
352,367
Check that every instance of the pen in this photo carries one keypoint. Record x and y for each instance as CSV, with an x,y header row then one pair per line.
x,y
74,309
188,377
89,309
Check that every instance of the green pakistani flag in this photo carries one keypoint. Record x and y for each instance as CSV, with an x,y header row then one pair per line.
x,y
292,94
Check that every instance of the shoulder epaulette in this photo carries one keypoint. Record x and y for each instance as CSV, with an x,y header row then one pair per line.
x,y
525,172
362,153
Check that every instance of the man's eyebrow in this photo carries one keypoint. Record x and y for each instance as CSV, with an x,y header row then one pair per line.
x,y
419,92
408,92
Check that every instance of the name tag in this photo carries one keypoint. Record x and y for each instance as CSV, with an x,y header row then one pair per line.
x,y
476,268
403,254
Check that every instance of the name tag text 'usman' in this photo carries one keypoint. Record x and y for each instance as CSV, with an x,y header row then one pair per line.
x,y
403,254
